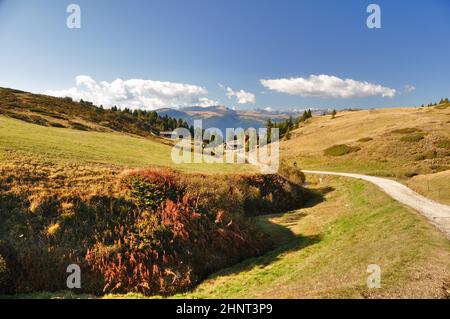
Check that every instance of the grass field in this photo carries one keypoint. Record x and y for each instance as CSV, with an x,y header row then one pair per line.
x,y
378,134
435,186
325,250
381,142
63,145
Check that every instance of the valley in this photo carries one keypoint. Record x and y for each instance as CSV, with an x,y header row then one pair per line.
x,y
57,180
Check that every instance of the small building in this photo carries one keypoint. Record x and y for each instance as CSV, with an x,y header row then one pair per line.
x,y
166,134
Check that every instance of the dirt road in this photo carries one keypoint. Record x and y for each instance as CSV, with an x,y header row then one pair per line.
x,y
438,214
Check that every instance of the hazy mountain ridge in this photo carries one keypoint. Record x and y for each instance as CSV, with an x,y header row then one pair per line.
x,y
222,117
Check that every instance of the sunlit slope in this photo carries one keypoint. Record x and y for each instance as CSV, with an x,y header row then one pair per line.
x,y
435,186
325,250
56,144
389,142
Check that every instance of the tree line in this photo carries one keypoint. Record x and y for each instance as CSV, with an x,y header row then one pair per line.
x,y
442,101
286,126
157,122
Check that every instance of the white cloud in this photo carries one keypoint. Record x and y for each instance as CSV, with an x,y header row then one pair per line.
x,y
134,93
205,102
242,97
409,88
326,86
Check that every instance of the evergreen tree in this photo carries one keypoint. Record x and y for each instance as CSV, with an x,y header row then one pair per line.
x,y
333,114
287,136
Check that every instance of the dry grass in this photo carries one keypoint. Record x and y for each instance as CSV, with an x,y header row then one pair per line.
x,y
383,153
435,186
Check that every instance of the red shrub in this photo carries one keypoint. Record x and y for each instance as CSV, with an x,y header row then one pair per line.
x,y
171,248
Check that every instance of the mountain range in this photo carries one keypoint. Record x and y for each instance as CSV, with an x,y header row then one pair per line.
x,y
222,117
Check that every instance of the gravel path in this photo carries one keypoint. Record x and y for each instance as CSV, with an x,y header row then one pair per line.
x,y
438,214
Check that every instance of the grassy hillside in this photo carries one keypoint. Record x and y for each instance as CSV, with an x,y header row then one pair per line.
x,y
380,135
66,113
62,166
435,186
398,143
324,251
62,146
154,231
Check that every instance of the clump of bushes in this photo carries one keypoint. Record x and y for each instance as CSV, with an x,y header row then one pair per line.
x,y
36,119
443,143
340,150
78,126
18,116
172,248
410,174
56,124
292,173
160,232
197,228
427,155
413,137
407,130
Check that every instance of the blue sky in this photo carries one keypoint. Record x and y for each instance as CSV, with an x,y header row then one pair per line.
x,y
180,51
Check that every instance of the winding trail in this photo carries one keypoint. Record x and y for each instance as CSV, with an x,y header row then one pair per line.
x,y
438,214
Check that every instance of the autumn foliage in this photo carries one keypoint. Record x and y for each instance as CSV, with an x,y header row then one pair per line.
x,y
159,232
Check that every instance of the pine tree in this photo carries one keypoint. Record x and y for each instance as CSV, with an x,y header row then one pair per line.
x,y
333,114
290,122
287,136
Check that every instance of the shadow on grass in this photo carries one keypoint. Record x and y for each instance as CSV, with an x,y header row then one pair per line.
x,y
285,240
293,243
317,196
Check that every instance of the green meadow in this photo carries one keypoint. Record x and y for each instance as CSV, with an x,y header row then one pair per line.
x,y
127,151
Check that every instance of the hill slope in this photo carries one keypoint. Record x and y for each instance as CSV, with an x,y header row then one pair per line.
x,y
324,251
63,146
398,143
65,113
